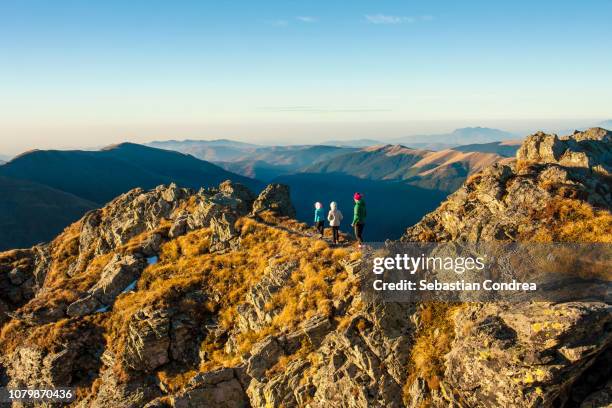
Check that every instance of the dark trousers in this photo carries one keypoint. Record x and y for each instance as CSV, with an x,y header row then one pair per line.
x,y
335,234
319,225
359,231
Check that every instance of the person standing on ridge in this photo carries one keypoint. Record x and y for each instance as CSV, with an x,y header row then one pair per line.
x,y
334,217
359,216
319,217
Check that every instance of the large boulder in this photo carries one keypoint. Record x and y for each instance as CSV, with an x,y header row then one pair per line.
x,y
219,388
115,393
275,198
147,340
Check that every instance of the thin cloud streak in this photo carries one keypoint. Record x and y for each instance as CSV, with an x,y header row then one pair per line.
x,y
278,23
319,109
388,19
307,19
391,19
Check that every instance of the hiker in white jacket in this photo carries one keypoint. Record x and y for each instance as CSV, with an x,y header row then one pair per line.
x,y
334,217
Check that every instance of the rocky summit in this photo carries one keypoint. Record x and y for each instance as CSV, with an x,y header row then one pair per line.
x,y
219,298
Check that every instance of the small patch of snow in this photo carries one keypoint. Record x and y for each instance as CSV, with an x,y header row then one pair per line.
x,y
130,287
102,309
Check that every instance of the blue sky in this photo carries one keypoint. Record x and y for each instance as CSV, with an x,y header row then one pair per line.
x,y
83,73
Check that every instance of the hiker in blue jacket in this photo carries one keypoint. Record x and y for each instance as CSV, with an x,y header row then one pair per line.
x,y
319,217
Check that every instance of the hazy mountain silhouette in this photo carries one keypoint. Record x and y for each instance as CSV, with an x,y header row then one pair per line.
x,y
32,213
457,137
99,176
606,124
506,148
257,169
296,157
210,150
248,155
352,143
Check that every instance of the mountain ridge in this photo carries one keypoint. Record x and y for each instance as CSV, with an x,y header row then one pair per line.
x,y
88,179
170,297
74,171
443,170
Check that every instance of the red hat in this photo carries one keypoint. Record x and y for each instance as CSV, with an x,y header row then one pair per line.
x,y
357,196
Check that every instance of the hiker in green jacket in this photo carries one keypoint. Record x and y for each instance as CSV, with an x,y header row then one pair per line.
x,y
359,216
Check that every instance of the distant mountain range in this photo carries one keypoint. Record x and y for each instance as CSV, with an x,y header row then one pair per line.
x,y
352,143
224,150
444,170
62,185
462,136
59,186
411,179
266,163
210,150
606,124
245,156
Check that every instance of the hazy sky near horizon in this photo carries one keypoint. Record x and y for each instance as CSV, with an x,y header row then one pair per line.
x,y
82,73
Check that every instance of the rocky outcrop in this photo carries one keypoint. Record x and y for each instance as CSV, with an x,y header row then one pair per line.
x,y
22,274
123,394
253,314
275,198
220,388
126,217
588,150
32,366
524,354
118,275
148,341
499,203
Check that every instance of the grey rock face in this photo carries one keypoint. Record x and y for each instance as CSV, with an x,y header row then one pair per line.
x,y
275,198
125,217
252,313
120,272
218,388
22,274
114,393
33,366
148,341
524,354
590,149
263,356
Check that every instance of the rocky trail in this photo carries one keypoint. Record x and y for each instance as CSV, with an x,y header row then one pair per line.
x,y
220,298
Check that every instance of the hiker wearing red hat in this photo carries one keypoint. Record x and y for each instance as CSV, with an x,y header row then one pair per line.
x,y
359,216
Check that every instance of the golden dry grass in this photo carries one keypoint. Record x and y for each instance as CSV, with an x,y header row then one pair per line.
x,y
570,220
185,265
431,343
